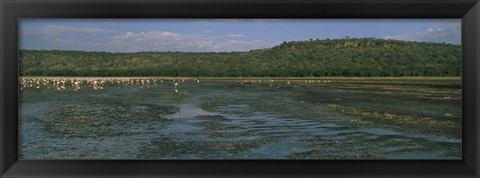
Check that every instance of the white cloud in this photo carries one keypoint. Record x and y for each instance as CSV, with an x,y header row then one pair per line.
x,y
170,41
79,38
244,45
55,30
445,33
162,41
234,35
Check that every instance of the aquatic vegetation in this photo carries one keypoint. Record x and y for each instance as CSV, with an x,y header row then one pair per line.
x,y
377,147
406,121
167,147
94,120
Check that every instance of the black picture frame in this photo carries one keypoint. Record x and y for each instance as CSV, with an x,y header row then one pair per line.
x,y
12,10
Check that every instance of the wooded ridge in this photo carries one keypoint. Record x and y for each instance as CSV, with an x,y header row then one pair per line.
x,y
361,57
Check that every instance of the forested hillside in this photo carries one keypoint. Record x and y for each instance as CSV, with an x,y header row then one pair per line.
x,y
340,57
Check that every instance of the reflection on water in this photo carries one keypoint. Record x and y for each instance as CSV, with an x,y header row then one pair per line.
x,y
148,118
188,111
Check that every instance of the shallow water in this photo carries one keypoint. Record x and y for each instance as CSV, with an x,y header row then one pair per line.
x,y
243,120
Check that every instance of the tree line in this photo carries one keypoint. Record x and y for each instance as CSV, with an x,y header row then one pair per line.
x,y
361,57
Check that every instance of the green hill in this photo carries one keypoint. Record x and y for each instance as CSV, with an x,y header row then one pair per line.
x,y
339,57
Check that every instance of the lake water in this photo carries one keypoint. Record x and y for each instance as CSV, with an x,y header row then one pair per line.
x,y
243,119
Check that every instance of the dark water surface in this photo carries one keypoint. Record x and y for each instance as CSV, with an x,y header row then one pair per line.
x,y
381,119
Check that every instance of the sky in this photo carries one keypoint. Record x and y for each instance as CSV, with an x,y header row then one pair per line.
x,y
220,35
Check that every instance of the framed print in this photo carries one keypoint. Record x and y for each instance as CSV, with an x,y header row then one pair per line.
x,y
240,89
244,88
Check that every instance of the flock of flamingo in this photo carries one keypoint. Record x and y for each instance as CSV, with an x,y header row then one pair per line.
x,y
97,83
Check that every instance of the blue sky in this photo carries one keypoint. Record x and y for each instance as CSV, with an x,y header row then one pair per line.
x,y
205,35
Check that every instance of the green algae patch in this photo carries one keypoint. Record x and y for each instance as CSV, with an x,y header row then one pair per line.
x,y
94,120
377,147
168,147
428,124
